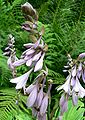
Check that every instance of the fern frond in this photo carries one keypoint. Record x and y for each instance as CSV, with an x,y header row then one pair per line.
x,y
9,110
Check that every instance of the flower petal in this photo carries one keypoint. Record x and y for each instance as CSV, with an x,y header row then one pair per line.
x,y
29,62
74,71
39,98
21,81
44,105
39,64
37,56
30,88
74,98
18,62
32,97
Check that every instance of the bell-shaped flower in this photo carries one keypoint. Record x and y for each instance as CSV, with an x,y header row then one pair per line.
x,y
63,104
44,105
33,96
39,64
21,81
79,89
39,98
66,85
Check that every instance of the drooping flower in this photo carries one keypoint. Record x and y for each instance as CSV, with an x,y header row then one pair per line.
x,y
40,95
39,64
79,89
44,105
22,80
66,85
63,104
33,96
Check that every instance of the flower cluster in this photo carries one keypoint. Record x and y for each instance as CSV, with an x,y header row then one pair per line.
x,y
38,99
72,86
33,58
10,51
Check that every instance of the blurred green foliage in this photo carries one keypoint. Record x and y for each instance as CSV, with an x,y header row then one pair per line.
x,y
64,22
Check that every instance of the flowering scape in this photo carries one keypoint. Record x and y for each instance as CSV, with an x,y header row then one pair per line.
x,y
33,58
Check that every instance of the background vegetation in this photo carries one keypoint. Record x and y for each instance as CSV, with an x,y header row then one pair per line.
x,y
64,22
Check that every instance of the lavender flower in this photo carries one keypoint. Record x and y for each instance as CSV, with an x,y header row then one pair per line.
x,y
21,81
32,57
33,96
63,104
79,89
72,86
66,86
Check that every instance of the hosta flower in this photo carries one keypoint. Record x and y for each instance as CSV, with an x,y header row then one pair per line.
x,y
63,104
22,80
79,89
39,98
39,64
66,85
40,95
33,96
44,105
